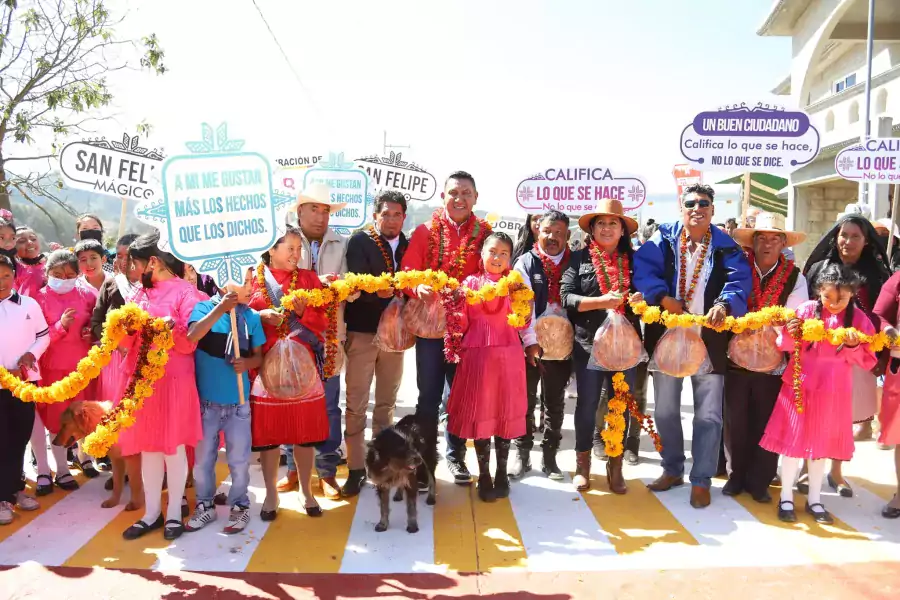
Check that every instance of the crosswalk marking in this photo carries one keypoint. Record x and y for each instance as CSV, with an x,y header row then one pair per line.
x,y
25,518
454,529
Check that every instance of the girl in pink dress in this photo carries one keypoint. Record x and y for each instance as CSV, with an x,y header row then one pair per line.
x,y
170,419
825,427
488,396
887,308
67,309
30,268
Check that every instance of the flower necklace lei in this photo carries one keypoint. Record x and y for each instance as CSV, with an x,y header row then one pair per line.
x,y
772,293
687,296
603,263
471,236
376,237
283,329
554,274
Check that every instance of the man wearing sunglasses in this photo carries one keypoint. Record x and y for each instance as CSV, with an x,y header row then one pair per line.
x,y
692,267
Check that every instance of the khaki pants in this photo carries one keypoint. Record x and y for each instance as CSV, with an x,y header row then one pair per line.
x,y
365,361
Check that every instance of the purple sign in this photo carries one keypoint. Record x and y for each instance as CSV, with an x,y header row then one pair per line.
x,y
876,159
576,191
764,139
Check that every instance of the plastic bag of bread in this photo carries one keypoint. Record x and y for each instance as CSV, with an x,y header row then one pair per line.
x,y
392,335
425,319
681,353
288,371
555,334
756,350
617,346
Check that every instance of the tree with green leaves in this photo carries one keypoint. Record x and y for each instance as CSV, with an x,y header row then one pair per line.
x,y
54,59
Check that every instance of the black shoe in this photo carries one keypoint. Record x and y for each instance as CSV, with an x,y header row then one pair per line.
x,y
282,460
104,464
173,530
356,479
521,463
763,498
549,466
460,472
732,488
599,449
501,485
821,516
87,467
486,490
220,499
786,515
889,512
70,457
140,529
843,489
631,458
267,515
803,484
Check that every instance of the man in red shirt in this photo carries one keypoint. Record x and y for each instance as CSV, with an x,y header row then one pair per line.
x,y
451,242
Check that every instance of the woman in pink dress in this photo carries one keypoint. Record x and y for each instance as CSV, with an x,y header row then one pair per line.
x,y
825,427
170,419
30,275
67,309
888,310
488,397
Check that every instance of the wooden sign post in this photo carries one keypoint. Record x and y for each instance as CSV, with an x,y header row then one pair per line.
x,y
236,346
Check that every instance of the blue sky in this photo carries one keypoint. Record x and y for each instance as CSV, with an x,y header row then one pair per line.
x,y
499,88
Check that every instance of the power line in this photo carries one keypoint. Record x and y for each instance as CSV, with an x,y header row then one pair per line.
x,y
289,63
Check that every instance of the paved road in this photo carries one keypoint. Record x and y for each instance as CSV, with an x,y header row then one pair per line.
x,y
544,527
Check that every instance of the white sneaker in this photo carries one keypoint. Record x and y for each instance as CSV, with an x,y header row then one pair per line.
x,y
26,502
203,516
237,520
6,513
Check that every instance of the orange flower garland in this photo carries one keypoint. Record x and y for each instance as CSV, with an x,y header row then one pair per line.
x,y
769,297
283,329
687,296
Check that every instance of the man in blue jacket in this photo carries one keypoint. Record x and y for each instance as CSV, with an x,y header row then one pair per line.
x,y
691,267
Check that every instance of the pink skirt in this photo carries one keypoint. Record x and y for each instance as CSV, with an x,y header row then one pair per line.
x,y
51,413
890,410
823,430
113,379
171,416
489,396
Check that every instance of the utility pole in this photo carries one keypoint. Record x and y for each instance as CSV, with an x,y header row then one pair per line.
x,y
386,145
867,130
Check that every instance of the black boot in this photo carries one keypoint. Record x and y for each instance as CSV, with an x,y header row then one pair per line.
x,y
485,483
599,444
521,464
548,463
501,480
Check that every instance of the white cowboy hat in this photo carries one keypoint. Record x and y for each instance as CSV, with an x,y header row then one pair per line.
x,y
317,193
767,222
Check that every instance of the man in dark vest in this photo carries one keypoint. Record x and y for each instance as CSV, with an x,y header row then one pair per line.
x,y
692,267
750,396
542,268
375,249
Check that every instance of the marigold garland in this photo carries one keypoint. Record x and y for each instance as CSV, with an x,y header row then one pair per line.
x,y
554,273
603,264
119,324
688,295
614,433
283,329
772,293
149,368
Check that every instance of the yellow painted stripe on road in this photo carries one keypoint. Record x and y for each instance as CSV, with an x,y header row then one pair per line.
x,y
497,534
23,518
454,528
636,520
109,549
298,543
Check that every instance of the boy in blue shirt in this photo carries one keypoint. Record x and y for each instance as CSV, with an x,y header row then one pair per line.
x,y
220,407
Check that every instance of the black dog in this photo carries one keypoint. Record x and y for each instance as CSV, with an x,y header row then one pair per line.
x,y
393,458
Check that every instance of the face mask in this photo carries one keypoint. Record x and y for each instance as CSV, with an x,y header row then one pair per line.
x,y
61,286
92,234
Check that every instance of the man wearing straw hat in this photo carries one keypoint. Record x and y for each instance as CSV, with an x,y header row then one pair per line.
x,y
691,267
750,396
324,252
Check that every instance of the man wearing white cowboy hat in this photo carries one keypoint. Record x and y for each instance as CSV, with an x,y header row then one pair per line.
x,y
324,252
750,396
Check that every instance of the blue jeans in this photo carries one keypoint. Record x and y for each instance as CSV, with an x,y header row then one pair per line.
x,y
234,421
707,424
327,457
589,385
433,373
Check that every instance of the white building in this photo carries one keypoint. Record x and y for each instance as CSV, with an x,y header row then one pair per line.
x,y
827,80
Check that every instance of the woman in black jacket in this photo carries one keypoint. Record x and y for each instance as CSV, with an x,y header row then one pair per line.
x,y
598,280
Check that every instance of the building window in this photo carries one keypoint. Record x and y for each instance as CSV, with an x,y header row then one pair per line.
x,y
841,84
829,121
854,112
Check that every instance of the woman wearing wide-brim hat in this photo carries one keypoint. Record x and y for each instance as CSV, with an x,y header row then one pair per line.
x,y
599,279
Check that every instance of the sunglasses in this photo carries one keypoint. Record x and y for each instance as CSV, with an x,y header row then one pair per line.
x,y
693,203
